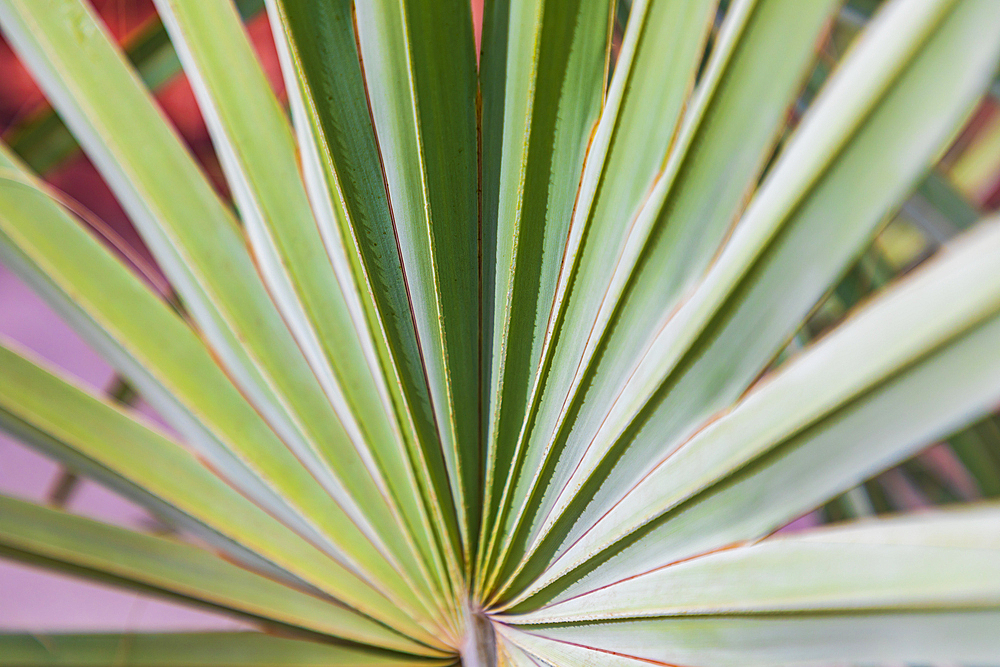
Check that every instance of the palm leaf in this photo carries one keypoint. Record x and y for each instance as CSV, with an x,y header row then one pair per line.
x,y
187,650
523,361
42,536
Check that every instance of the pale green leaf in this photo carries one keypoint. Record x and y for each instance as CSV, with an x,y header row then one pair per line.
x,y
237,649
491,364
96,437
197,242
760,56
190,231
653,76
257,151
553,87
89,548
167,362
509,655
912,81
343,177
888,348
937,560
773,641
420,73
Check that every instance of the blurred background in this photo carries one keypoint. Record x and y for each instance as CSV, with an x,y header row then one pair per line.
x,y
961,188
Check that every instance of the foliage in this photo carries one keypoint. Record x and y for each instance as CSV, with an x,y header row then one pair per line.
x,y
492,360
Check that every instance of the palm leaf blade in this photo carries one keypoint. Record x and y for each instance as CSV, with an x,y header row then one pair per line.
x,y
186,650
108,552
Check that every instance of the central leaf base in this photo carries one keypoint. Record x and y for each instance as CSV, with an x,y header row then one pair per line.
x,y
479,648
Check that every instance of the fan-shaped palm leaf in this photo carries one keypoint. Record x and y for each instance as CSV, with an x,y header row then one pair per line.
x,y
480,366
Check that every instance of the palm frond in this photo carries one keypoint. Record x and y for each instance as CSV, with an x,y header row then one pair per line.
x,y
523,360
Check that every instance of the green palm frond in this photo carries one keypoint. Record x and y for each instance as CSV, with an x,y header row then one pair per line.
x,y
522,359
